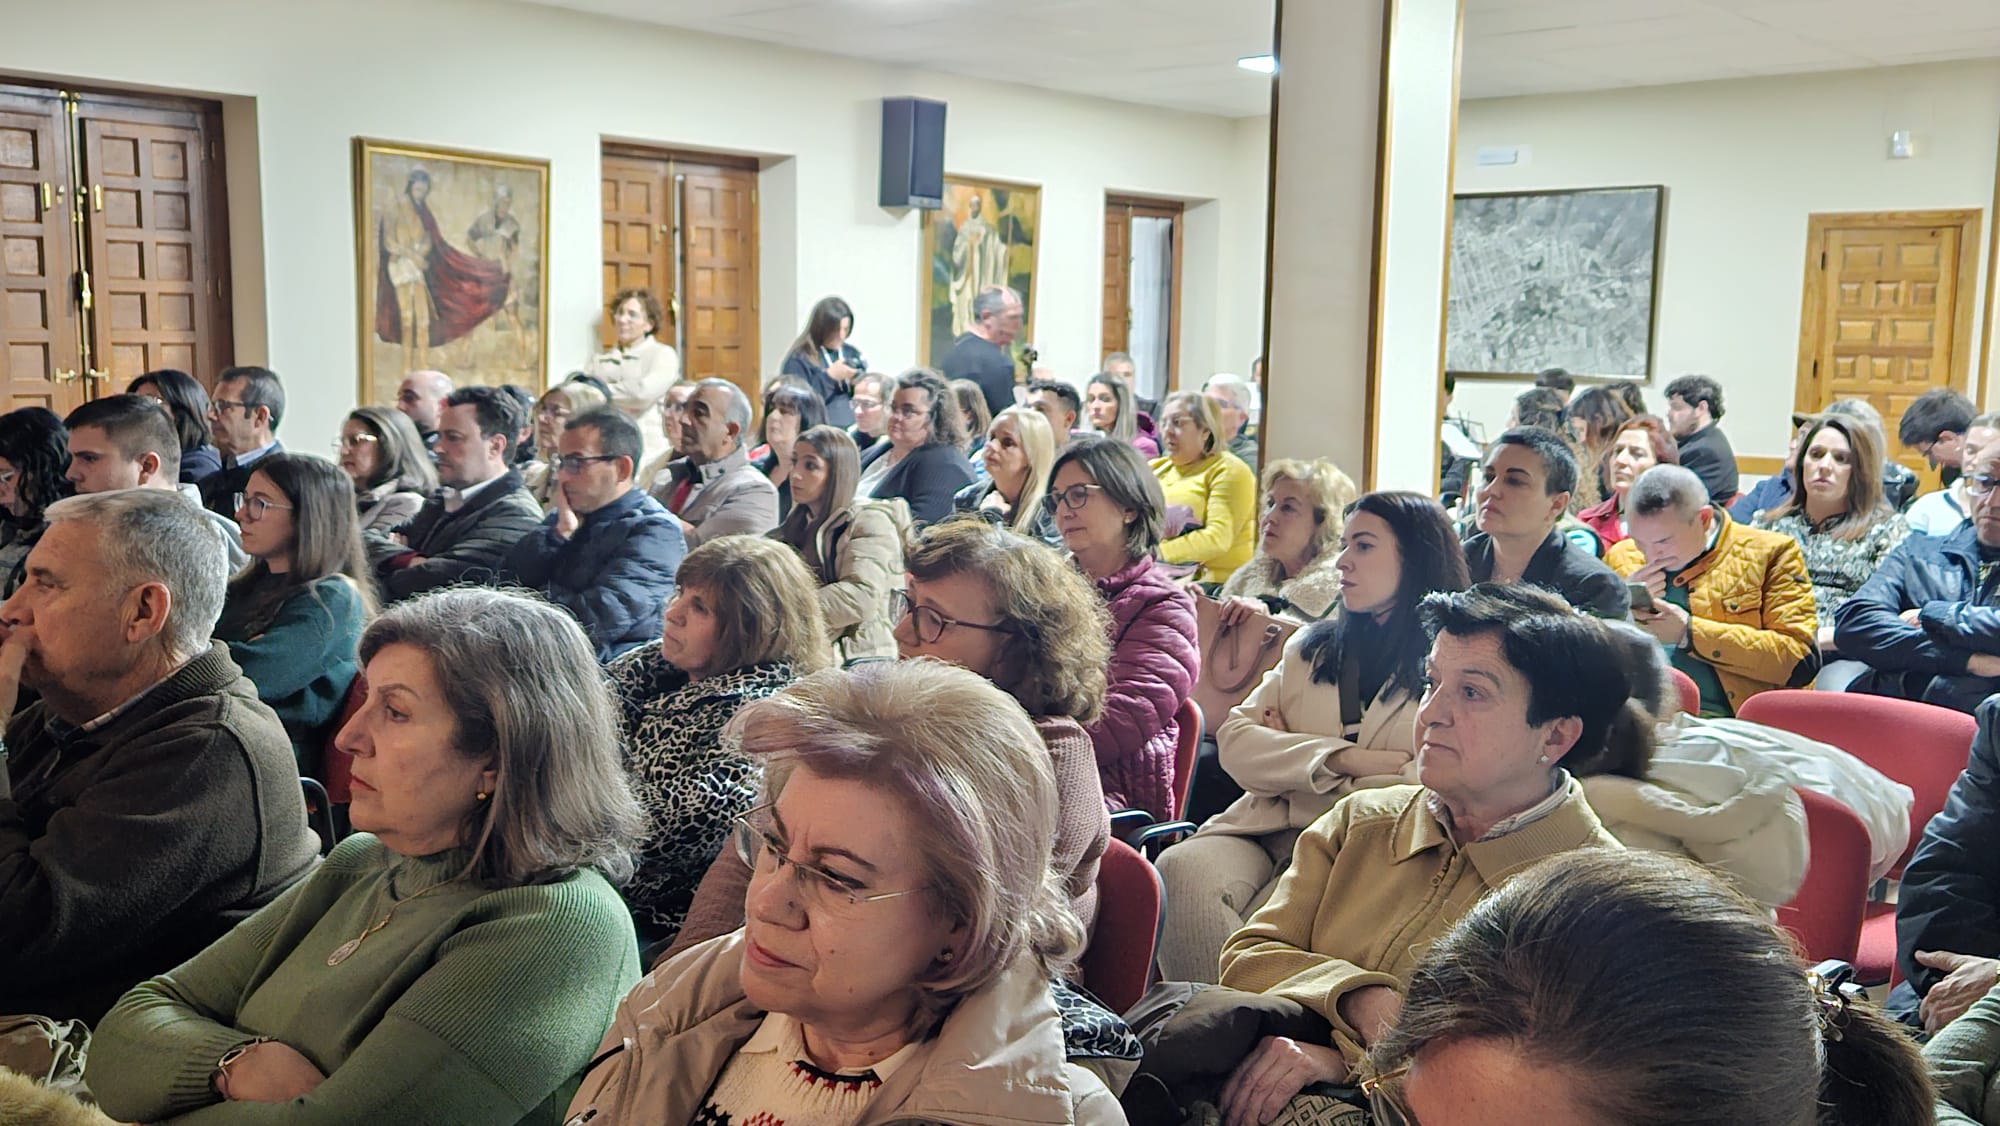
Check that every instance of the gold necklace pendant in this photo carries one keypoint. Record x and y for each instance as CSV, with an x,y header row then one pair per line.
x,y
346,949
343,952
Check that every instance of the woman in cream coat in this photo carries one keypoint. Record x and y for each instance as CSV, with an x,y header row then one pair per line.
x,y
1293,745
639,369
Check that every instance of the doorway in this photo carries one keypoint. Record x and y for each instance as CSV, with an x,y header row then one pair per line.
x,y
684,226
1142,289
1888,312
114,257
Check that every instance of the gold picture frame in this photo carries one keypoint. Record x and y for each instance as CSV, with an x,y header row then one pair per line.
x,y
457,242
1007,218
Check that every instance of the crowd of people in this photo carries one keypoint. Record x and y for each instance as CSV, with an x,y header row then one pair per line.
x,y
721,758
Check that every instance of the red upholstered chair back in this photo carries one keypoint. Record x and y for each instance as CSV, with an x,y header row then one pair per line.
x,y
1825,915
1118,965
1690,694
337,764
1923,746
1185,751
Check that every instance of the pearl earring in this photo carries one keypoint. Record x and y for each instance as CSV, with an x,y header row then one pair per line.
x,y
483,795
946,956
1544,760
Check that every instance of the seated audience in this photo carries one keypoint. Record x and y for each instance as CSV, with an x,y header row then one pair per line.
x,y
1934,425
577,395
1962,1060
1109,512
391,468
1593,419
673,411
1336,715
1108,406
712,488
826,361
1948,902
1733,605
639,369
186,401
243,420
923,460
1694,407
1235,401
788,412
1538,408
743,623
983,353
526,456
464,534
153,799
608,552
128,442
294,616
1633,394
901,930
452,963
871,409
1520,693
1842,524
1020,449
1211,494
1948,509
1640,443
1293,575
34,473
1523,492
972,409
1059,403
1925,623
1556,382
421,400
854,547
1899,481
1621,987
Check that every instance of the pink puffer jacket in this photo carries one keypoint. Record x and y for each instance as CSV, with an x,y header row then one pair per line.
x,y
1154,665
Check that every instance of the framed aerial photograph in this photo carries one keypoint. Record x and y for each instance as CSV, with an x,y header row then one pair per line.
x,y
1566,279
985,234
451,253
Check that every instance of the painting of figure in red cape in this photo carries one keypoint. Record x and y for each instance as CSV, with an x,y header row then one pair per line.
x,y
451,257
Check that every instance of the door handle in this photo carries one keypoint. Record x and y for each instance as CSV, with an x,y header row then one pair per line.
x,y
97,197
65,375
48,196
94,373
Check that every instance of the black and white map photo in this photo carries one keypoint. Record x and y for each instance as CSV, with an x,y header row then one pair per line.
x,y
1554,279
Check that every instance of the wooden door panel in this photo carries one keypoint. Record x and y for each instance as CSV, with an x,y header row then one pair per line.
x,y
719,268
1117,272
38,326
636,213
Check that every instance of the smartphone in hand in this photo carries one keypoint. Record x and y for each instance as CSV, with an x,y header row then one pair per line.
x,y
1642,598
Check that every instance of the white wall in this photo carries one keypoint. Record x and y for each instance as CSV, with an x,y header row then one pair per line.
x,y
301,80
1745,163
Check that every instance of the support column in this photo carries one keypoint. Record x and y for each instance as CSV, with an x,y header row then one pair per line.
x,y
1364,110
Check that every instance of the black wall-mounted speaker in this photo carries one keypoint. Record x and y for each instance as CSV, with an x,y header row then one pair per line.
x,y
912,152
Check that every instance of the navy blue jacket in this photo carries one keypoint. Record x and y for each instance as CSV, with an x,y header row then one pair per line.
x,y
1950,895
929,478
1938,576
615,574
839,397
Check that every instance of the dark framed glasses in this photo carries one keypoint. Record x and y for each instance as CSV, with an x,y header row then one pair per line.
x,y
1072,498
930,625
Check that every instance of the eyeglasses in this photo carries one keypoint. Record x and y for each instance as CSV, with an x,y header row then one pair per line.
x,y
1074,497
931,624
547,411
1980,485
909,410
256,508
1385,1098
355,441
223,406
574,463
818,889
8,475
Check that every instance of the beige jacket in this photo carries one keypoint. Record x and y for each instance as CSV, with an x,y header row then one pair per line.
x,y
867,559
997,1061
1282,744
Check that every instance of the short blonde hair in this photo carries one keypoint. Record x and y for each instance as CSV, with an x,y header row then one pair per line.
x,y
1038,441
1330,489
766,603
1202,408
973,777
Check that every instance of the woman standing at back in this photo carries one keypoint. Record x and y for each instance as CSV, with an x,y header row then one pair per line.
x,y
826,361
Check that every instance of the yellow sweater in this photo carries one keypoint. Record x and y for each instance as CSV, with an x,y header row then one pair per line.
x,y
1223,494
1374,883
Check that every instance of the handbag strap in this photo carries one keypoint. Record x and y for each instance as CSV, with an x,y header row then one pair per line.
x,y
1250,670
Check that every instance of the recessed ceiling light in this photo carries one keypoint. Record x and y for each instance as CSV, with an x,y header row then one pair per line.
x,y
1262,64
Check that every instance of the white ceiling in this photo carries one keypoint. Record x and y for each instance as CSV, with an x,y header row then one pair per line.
x,y
1182,53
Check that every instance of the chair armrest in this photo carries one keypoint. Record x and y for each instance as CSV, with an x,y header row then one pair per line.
x,y
1155,838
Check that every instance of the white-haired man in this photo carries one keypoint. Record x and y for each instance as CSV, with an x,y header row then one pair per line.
x,y
714,490
1236,401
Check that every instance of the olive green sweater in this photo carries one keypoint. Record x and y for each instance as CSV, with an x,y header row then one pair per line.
x,y
472,1007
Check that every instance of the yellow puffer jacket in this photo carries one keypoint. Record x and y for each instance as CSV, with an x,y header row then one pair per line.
x,y
1752,603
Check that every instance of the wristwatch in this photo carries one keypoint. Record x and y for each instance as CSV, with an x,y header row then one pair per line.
x,y
219,1078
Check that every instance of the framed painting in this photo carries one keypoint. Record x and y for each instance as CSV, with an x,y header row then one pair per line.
x,y
1546,279
451,250
984,235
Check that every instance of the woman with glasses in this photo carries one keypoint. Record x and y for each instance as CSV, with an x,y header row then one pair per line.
x,y
1108,510
743,623
923,461
854,547
34,463
789,411
574,397
1211,495
294,616
1019,451
1630,987
901,930
384,456
187,401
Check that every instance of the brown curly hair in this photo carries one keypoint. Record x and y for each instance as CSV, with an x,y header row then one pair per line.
x,y
655,312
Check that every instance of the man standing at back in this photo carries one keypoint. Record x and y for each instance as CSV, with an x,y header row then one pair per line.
x,y
981,354
152,799
129,442
608,553
243,418
464,533
1694,406
422,398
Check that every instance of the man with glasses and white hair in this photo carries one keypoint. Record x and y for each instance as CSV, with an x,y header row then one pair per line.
x,y
714,490
1235,400
1927,622
148,800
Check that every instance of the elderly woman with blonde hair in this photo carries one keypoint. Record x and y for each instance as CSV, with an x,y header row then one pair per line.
x,y
1292,574
902,927
1211,494
574,397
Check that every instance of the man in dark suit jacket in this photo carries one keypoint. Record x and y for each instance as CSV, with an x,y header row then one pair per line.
x,y
1694,406
465,532
243,417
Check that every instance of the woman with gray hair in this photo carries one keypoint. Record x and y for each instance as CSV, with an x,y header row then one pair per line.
x,y
902,927
455,960
924,460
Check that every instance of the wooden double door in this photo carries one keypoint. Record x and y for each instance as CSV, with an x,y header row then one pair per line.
x,y
686,228
113,252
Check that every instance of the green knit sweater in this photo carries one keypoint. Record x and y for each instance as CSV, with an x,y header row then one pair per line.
x,y
472,1006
